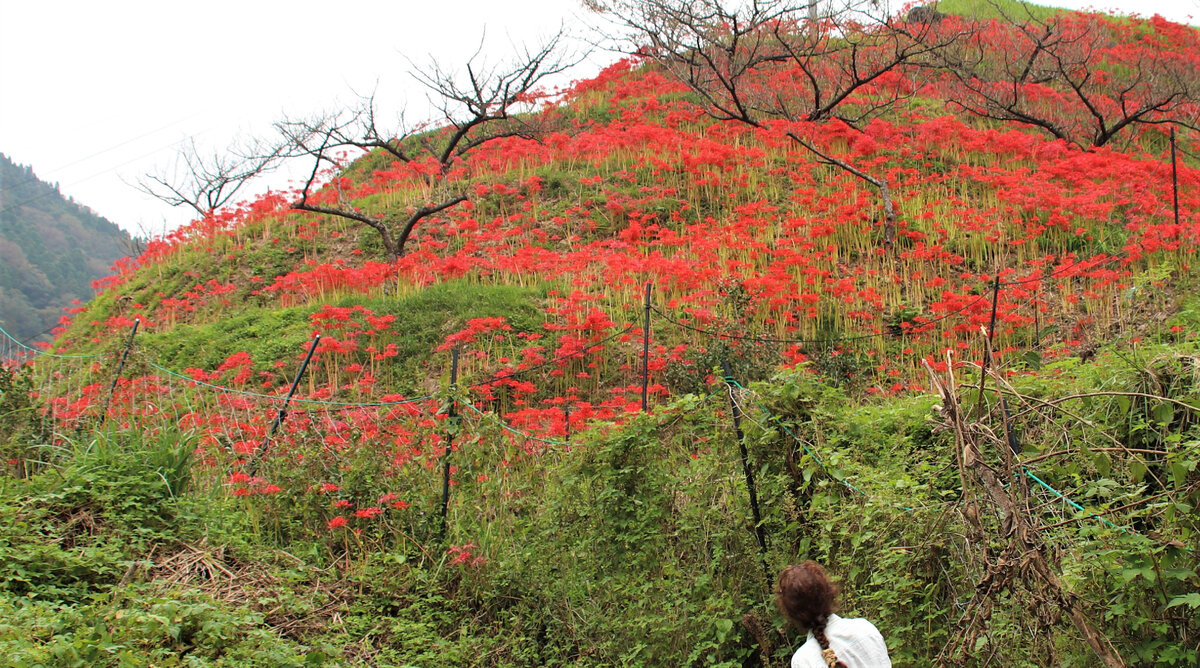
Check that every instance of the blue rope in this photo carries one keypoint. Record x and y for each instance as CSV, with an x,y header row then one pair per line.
x,y
1062,496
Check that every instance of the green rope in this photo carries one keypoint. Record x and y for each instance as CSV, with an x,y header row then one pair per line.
x,y
812,454
513,429
1078,507
37,351
1028,473
809,451
275,397
546,440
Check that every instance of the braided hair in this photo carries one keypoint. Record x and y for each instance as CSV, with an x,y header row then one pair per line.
x,y
805,596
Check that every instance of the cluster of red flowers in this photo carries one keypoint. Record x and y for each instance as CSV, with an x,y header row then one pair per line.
x,y
462,555
740,232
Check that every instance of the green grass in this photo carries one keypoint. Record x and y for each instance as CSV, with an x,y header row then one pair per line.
x,y
996,9
423,320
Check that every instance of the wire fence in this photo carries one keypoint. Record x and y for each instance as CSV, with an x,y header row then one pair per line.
x,y
244,430
917,325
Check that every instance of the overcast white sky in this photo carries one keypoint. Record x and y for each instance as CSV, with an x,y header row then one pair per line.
x,y
95,94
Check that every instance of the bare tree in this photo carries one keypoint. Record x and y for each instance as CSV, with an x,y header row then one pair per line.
x,y
763,60
206,182
1082,78
476,109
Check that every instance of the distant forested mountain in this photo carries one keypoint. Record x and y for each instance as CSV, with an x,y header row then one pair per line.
x,y
51,249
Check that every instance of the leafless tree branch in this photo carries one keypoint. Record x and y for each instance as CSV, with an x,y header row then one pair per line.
x,y
206,182
485,105
476,109
1082,78
764,60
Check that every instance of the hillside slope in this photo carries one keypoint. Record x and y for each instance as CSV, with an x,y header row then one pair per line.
x,y
651,358
51,249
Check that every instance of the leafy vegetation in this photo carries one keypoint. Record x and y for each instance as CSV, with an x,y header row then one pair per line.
x,y
634,546
983,420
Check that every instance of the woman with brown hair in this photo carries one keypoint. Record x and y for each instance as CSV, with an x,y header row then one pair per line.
x,y
806,597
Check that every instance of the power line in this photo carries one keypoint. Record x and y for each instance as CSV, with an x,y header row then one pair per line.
x,y
35,179
50,192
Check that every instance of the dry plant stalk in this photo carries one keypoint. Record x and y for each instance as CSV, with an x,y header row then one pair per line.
x,y
1024,558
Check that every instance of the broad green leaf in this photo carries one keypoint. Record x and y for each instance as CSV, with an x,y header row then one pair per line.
x,y
1178,473
1130,574
1124,403
1137,471
1179,574
1191,600
1163,412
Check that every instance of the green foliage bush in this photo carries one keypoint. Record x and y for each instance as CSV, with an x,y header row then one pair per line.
x,y
23,427
634,545
137,627
70,527
74,539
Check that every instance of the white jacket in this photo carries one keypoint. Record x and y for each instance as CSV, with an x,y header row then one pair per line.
x,y
857,642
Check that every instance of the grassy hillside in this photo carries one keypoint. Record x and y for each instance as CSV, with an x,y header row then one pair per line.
x,y
51,249
984,421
